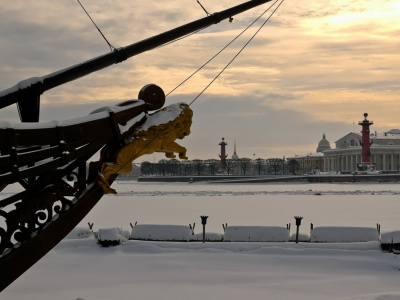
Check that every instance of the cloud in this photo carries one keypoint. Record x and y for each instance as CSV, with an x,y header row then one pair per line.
x,y
315,67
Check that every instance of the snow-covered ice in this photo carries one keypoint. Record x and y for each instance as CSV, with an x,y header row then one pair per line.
x,y
80,268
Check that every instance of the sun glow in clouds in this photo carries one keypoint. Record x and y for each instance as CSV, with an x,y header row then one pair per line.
x,y
317,65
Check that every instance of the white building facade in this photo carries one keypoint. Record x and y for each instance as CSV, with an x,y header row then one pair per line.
x,y
385,152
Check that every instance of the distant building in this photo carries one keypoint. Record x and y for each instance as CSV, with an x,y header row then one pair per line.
x,y
385,152
234,155
312,162
347,154
323,144
309,163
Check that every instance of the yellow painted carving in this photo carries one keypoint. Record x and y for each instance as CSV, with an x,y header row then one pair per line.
x,y
147,139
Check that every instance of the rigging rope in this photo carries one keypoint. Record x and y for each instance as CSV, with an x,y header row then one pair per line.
x,y
237,54
203,8
240,51
219,52
112,48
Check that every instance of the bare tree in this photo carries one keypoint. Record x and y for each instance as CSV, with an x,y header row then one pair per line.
x,y
213,166
230,164
187,167
147,168
259,163
162,166
173,166
244,164
293,166
274,165
198,166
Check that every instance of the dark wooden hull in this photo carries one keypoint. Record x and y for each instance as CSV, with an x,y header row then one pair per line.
x,y
29,252
49,161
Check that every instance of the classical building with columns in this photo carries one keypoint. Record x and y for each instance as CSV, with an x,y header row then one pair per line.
x,y
385,152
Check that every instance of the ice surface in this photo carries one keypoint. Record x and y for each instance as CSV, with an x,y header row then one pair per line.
x,y
146,270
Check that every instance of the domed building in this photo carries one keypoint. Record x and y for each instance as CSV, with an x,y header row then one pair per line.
x,y
323,144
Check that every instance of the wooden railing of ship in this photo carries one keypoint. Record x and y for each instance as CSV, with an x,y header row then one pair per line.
x,y
49,161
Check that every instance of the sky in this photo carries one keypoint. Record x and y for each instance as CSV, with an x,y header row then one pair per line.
x,y
316,67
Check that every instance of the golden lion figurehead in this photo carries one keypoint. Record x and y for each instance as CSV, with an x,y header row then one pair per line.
x,y
163,127
157,134
174,119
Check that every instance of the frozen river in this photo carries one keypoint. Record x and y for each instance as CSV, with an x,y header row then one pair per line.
x,y
82,269
249,204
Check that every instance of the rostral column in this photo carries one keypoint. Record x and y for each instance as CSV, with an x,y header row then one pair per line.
x,y
223,155
366,144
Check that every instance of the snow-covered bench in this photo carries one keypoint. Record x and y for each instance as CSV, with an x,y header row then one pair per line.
x,y
155,232
332,234
111,236
256,234
390,241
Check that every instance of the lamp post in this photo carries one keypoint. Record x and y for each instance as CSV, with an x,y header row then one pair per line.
x,y
204,222
298,223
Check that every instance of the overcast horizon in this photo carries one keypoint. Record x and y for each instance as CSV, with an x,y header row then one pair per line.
x,y
315,68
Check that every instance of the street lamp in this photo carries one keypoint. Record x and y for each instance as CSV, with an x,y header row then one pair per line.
x,y
204,222
298,223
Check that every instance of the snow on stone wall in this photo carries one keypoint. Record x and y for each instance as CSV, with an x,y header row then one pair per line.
x,y
210,236
156,232
256,234
389,237
326,234
302,237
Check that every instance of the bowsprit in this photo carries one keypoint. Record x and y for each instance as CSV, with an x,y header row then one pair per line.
x,y
49,159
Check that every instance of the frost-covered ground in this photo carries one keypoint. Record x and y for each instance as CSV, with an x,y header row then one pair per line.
x,y
79,268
